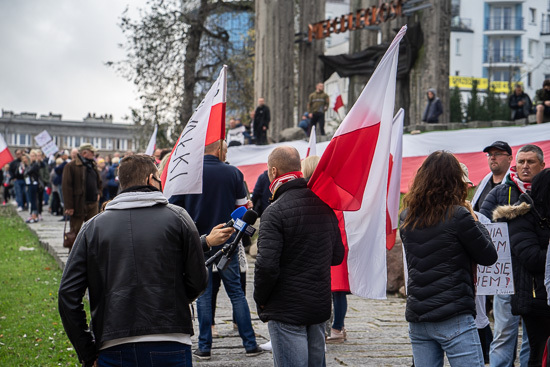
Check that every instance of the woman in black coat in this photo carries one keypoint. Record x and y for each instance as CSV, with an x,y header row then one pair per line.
x,y
443,242
529,228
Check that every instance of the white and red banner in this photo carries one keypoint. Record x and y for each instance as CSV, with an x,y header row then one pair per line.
x,y
312,146
338,102
5,154
152,142
394,178
183,172
466,144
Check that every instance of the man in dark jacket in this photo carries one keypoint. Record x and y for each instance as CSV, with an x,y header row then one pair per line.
x,y
81,185
529,162
262,118
542,101
520,103
142,263
433,109
298,242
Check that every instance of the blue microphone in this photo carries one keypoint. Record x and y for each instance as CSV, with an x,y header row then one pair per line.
x,y
237,214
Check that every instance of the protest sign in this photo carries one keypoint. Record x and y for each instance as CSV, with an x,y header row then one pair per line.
x,y
497,278
46,143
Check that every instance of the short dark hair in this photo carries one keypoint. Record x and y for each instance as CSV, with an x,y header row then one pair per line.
x,y
546,82
134,170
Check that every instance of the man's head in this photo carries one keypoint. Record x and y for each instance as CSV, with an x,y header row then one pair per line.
x,y
519,89
499,157
65,155
282,160
546,84
87,150
18,153
261,101
138,170
157,154
431,93
232,123
319,87
214,149
529,162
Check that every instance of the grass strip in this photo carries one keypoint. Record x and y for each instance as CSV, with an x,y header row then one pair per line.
x,y
31,333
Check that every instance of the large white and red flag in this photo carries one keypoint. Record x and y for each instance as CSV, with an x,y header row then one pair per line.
x,y
337,98
152,142
352,176
394,178
312,146
5,154
183,172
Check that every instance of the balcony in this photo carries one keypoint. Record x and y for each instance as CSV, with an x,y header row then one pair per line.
x,y
461,24
504,24
503,56
545,28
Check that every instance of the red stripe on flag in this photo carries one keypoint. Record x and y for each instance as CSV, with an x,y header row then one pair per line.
x,y
339,273
341,176
216,124
5,157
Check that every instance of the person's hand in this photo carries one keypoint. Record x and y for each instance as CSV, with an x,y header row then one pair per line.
x,y
547,103
468,206
264,128
310,115
520,103
69,211
249,204
219,235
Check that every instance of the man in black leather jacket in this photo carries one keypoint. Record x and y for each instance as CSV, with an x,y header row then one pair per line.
x,y
142,263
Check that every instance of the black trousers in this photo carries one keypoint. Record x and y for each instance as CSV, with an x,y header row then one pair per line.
x,y
538,331
318,118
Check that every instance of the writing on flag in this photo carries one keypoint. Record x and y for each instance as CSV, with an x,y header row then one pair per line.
x,y
312,146
394,178
352,176
183,172
152,142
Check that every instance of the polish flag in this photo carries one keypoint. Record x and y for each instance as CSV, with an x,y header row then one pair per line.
x,y
312,147
5,154
152,142
183,172
394,178
337,98
352,176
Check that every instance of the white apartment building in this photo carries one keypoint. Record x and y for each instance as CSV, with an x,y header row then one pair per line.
x,y
502,40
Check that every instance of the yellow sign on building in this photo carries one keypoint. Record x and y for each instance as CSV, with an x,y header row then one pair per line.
x,y
463,82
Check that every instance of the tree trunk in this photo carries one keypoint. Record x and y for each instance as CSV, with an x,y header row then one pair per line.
x,y
310,68
432,68
274,62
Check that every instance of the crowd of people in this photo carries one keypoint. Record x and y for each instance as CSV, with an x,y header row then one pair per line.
x,y
141,256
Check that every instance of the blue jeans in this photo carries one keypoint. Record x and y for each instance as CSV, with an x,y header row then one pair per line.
x,y
20,192
297,345
340,303
231,278
33,198
457,337
505,335
146,354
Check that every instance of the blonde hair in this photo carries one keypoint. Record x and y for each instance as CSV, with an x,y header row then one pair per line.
x,y
309,164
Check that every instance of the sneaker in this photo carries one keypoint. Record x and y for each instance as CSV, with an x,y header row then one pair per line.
x,y
254,352
31,220
202,355
266,346
336,336
19,209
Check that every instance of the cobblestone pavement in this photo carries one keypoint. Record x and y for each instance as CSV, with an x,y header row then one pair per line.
x,y
376,329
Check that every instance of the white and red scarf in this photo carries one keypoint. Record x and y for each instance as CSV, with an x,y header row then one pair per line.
x,y
289,176
523,187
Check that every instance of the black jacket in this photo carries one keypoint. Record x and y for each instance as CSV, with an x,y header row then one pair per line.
x,y
505,194
299,240
142,262
441,262
529,236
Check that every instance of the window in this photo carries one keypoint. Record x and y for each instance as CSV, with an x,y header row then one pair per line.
x,y
77,141
458,46
109,144
529,76
532,50
547,49
457,73
532,15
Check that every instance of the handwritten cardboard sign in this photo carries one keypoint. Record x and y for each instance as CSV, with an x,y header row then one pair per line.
x,y
497,278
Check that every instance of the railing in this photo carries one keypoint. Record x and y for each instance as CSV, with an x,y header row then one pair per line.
x,y
506,55
461,23
504,24
545,27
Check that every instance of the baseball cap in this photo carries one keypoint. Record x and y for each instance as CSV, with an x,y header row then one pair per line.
x,y
465,174
87,146
500,145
